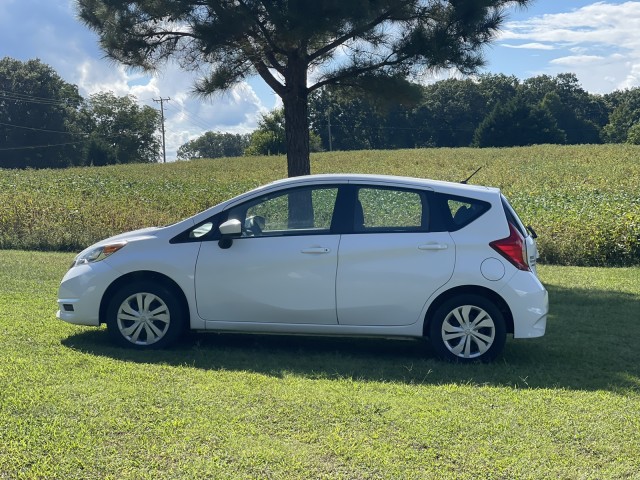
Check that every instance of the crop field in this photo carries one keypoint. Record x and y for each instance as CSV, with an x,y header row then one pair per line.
x,y
583,201
72,406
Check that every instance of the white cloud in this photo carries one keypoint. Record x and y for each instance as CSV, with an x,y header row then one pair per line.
x,y
93,76
187,116
531,46
601,22
633,77
579,50
598,42
578,60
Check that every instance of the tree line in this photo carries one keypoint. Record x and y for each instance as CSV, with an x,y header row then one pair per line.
x,y
46,123
487,111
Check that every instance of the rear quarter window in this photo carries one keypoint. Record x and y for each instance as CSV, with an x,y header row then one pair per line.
x,y
454,212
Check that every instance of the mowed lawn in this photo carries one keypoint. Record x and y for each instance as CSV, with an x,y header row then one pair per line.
x,y
231,406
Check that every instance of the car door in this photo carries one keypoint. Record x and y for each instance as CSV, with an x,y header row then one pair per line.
x,y
283,267
390,264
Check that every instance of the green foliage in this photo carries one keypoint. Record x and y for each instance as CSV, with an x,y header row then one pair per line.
x,y
517,123
265,142
47,124
582,200
573,106
382,91
575,129
100,152
72,406
633,134
270,136
450,112
214,145
121,130
39,115
624,116
353,121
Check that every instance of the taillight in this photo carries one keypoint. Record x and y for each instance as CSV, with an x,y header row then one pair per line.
x,y
512,248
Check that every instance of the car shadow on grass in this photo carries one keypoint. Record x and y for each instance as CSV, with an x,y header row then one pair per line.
x,y
591,344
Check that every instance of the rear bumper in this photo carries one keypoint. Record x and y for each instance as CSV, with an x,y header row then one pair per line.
x,y
529,303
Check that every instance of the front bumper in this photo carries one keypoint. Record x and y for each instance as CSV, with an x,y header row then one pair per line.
x,y
81,291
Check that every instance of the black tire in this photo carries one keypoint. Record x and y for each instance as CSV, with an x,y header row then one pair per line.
x,y
145,315
467,328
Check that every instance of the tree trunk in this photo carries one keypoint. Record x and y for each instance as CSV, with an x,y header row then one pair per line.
x,y
296,119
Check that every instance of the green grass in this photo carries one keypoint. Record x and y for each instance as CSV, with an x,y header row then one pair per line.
x,y
584,201
73,406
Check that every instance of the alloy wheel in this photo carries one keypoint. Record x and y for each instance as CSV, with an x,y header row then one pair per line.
x,y
468,331
143,318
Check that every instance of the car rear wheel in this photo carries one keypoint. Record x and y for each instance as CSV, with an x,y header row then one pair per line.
x,y
467,328
144,315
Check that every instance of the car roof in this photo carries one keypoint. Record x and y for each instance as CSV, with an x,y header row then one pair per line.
x,y
438,185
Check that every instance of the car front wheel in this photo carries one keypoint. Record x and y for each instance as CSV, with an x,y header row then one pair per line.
x,y
144,315
467,328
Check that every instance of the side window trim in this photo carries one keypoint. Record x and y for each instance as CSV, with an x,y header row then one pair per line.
x,y
248,204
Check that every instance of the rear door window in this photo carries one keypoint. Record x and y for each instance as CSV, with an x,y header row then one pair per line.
x,y
380,210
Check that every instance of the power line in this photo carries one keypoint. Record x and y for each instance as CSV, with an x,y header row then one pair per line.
x,y
329,128
192,117
43,129
87,138
33,147
21,97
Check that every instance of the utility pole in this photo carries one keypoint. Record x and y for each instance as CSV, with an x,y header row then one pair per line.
x,y
329,126
161,101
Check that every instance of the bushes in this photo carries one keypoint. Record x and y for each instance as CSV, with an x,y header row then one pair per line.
x,y
584,201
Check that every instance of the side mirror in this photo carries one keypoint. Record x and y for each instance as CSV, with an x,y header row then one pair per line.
x,y
229,229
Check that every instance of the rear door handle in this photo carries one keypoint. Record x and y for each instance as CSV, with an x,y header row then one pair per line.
x,y
433,246
316,250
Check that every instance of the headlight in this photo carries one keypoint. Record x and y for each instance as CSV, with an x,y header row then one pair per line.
x,y
98,253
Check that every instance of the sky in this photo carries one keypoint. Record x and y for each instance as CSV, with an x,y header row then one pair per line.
x,y
598,41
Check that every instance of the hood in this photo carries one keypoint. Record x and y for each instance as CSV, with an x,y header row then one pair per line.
x,y
140,234
135,235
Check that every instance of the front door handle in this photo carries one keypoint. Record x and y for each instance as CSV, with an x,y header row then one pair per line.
x,y
316,250
433,246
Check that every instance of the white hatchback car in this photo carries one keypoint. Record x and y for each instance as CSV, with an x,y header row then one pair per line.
x,y
345,255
